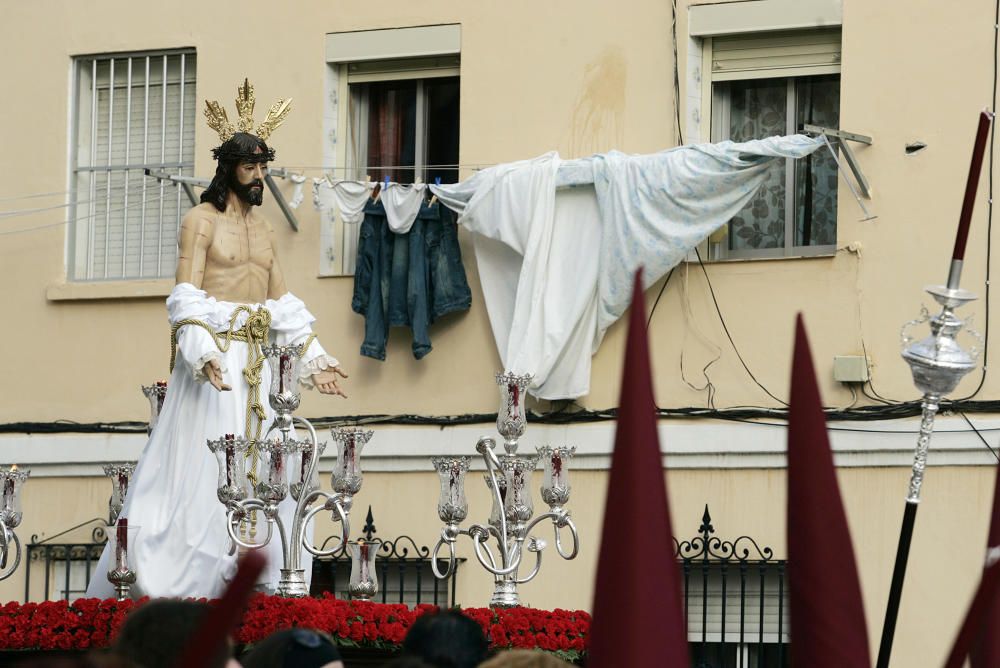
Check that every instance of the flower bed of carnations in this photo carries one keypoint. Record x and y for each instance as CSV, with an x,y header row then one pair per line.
x,y
92,623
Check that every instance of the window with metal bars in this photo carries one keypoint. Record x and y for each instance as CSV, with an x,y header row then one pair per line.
x,y
131,112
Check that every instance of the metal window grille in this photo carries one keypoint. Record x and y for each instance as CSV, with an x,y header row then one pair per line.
x,y
62,571
404,575
735,601
131,112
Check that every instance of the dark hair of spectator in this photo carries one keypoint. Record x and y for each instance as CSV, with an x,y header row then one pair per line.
x,y
298,648
157,634
447,639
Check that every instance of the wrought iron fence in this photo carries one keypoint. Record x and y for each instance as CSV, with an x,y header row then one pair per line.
x,y
734,601
403,569
68,566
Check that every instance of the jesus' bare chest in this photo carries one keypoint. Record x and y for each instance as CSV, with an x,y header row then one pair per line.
x,y
239,260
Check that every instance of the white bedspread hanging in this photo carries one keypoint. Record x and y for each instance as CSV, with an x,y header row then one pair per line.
x,y
556,266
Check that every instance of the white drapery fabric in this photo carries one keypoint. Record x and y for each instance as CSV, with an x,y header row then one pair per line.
x,y
556,263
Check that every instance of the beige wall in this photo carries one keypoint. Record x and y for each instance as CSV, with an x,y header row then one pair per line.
x,y
577,77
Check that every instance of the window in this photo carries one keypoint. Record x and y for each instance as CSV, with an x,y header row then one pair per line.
x,y
394,113
772,84
131,112
406,129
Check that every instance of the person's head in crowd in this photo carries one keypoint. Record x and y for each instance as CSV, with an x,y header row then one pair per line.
x,y
298,648
157,634
525,658
446,639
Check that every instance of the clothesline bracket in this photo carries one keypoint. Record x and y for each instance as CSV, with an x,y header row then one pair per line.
x,y
842,137
185,182
188,183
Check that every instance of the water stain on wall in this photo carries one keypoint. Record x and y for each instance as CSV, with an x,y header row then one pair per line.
x,y
597,123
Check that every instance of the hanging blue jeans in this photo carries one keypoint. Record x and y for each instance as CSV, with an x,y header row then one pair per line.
x,y
407,280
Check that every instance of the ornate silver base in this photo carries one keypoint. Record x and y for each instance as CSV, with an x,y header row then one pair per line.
x,y
122,579
363,591
292,583
505,595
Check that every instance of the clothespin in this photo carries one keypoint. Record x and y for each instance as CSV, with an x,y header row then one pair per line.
x,y
434,198
380,188
376,190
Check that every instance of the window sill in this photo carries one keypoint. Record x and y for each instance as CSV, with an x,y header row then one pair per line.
x,y
137,289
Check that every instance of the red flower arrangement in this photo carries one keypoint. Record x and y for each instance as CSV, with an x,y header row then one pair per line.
x,y
92,623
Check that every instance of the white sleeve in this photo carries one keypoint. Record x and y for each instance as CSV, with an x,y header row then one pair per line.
x,y
194,344
292,323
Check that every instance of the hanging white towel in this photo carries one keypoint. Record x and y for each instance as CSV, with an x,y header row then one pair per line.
x,y
297,194
349,198
402,204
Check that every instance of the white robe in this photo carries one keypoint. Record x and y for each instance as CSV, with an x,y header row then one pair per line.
x,y
182,548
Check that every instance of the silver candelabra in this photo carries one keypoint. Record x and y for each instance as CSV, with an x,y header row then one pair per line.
x,y
507,477
244,499
10,518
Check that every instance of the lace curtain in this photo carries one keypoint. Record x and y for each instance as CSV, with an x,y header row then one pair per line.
x,y
759,109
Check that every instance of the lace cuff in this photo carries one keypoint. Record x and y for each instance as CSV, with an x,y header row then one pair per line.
x,y
198,368
315,365
195,347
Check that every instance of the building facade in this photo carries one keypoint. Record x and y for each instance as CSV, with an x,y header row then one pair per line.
x,y
102,92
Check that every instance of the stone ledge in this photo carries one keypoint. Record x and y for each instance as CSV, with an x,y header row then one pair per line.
x,y
137,289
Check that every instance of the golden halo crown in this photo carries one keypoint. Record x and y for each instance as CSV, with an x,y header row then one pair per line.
x,y
219,121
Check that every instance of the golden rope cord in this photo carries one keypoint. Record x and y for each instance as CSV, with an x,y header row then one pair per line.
x,y
255,333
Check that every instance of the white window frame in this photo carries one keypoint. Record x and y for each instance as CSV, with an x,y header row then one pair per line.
x,y
710,20
717,245
421,53
82,256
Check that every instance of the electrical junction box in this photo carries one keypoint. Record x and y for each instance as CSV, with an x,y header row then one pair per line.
x,y
850,368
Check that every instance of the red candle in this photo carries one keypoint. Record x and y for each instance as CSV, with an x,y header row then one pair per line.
x,y
363,558
121,549
306,460
971,185
282,370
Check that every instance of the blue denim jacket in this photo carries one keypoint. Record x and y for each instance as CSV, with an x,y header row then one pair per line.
x,y
407,280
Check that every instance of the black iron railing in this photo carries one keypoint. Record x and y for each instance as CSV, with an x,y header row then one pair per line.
x,y
66,566
734,601
403,569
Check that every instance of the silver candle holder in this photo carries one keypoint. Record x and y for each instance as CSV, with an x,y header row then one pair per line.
x,y
275,480
11,481
121,475
155,393
363,585
122,542
508,477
